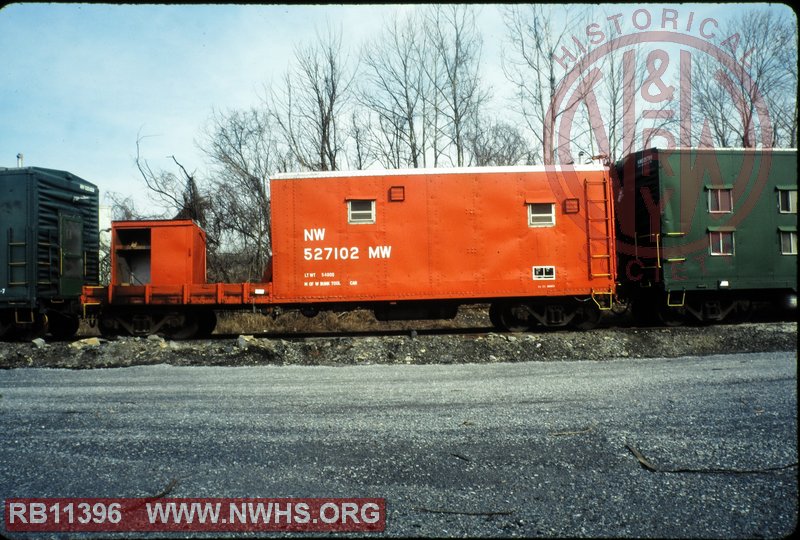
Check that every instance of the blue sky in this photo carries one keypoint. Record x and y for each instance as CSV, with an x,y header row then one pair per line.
x,y
80,82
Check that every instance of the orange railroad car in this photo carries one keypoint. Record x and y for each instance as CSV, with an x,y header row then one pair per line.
x,y
417,243
536,243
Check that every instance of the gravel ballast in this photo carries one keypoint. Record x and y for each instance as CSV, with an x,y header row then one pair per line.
x,y
406,347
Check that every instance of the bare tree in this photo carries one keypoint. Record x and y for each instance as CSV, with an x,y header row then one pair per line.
x,y
124,208
730,104
393,86
497,143
619,127
310,113
177,194
360,128
536,35
387,141
241,147
433,132
456,43
233,206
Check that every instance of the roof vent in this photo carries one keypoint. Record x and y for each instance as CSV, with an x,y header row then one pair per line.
x,y
20,158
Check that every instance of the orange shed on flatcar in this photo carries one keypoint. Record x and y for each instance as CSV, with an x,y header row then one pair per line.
x,y
179,247
513,236
158,271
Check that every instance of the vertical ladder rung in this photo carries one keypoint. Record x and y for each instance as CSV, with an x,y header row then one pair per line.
x,y
596,205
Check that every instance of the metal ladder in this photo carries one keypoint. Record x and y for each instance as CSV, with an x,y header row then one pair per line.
x,y
598,229
17,248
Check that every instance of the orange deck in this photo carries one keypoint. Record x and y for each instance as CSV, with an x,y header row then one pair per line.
x,y
221,294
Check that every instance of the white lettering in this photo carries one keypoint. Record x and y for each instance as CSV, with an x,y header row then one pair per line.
x,y
370,517
182,513
311,235
380,252
303,514
330,253
17,511
283,513
349,510
258,511
324,515
237,514
38,513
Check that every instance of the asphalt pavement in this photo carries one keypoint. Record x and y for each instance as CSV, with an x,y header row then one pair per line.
x,y
545,449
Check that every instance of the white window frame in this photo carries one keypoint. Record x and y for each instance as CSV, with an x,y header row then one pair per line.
x,y
551,222
715,195
792,209
719,243
360,217
792,236
545,273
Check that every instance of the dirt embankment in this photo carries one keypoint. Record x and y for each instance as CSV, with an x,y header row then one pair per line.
x,y
403,346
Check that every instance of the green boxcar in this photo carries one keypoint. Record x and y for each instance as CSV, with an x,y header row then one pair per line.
x,y
707,233
48,250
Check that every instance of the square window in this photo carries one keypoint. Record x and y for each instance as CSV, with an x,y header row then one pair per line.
x,y
544,272
787,201
721,242
360,211
541,214
789,242
720,201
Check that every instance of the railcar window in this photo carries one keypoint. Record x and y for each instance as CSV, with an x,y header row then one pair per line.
x,y
544,272
541,214
361,211
720,201
789,242
721,242
787,201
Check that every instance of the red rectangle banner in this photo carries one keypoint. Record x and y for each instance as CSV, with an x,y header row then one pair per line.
x,y
194,514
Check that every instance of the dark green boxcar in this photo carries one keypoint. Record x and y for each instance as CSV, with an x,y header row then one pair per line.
x,y
48,249
707,233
